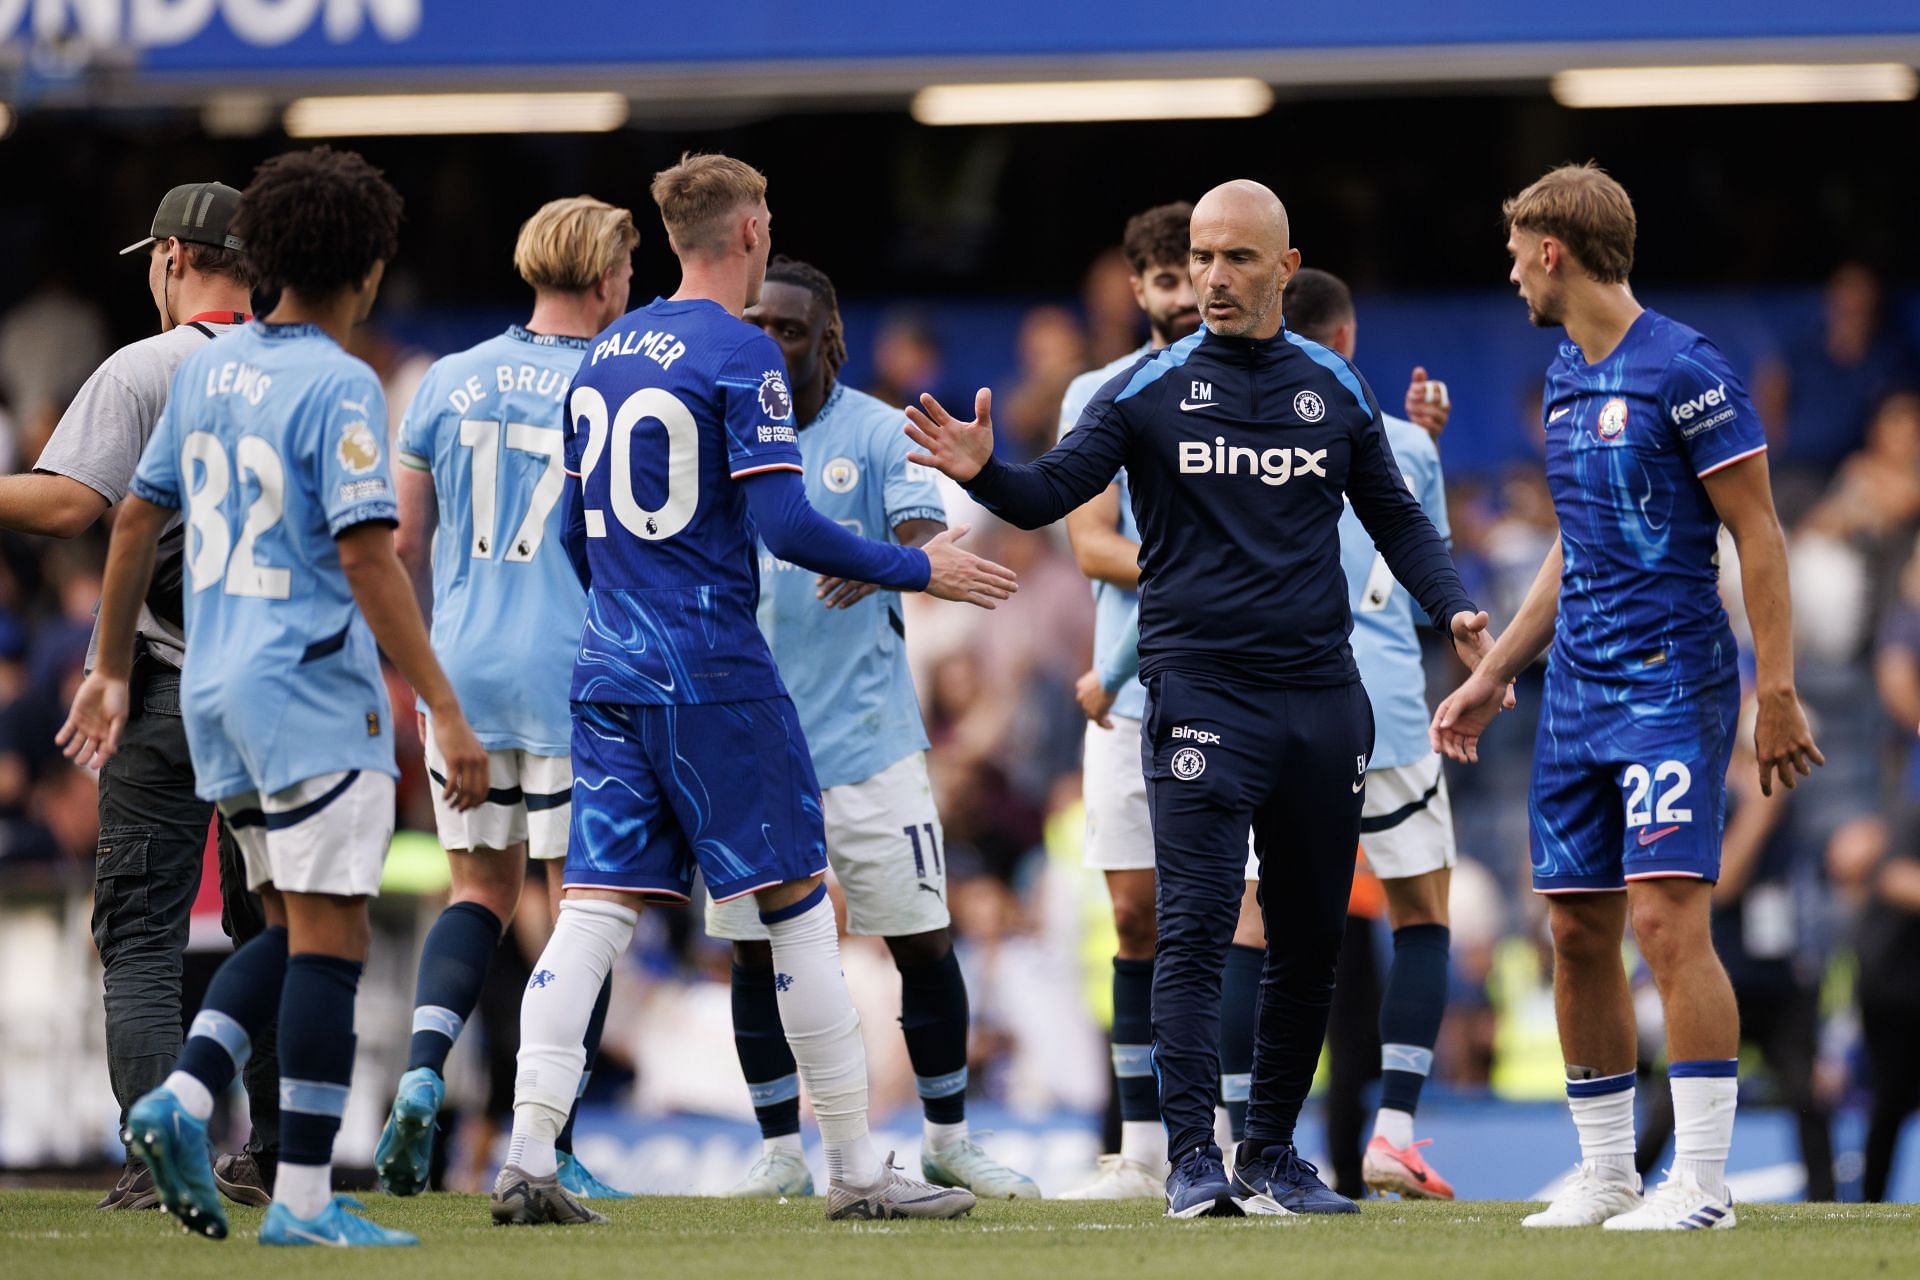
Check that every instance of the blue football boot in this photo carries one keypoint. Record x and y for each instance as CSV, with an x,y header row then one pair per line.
x,y
1198,1187
578,1179
336,1226
403,1159
1276,1180
173,1146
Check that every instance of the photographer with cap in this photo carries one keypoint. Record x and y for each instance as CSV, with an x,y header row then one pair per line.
x,y
153,829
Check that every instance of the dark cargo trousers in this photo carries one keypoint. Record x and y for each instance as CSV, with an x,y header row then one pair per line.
x,y
153,835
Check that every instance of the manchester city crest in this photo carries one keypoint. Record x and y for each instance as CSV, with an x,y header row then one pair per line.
x,y
840,475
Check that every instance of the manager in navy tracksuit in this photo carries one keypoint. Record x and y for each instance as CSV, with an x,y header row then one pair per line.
x,y
1239,443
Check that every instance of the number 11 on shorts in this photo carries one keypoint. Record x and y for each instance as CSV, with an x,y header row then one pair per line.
x,y
919,854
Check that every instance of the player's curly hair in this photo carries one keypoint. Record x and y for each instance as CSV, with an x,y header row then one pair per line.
x,y
1158,237
804,275
317,221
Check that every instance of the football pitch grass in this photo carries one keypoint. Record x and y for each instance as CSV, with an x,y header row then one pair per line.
x,y
57,1235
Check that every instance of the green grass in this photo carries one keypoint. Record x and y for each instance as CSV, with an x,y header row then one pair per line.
x,y
54,1235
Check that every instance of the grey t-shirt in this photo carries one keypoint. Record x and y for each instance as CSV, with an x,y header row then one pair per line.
x,y
99,442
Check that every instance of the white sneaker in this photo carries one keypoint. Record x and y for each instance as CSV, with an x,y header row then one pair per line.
x,y
965,1164
1588,1199
1121,1179
896,1195
774,1174
1680,1204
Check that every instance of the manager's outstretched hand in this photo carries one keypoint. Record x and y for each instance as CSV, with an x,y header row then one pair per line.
x,y
954,448
92,732
961,575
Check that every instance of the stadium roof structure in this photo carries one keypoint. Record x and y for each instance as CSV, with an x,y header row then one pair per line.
x,y
243,61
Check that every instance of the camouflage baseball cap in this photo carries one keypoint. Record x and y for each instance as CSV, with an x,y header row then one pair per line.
x,y
196,212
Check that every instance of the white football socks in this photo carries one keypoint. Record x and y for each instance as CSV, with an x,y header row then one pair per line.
x,y
193,1095
588,938
824,1033
1145,1143
938,1137
786,1142
305,1189
1603,1113
1395,1126
1703,1108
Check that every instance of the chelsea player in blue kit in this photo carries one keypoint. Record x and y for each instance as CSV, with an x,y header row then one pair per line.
x,y
273,447
687,752
482,453
842,651
1651,446
1239,443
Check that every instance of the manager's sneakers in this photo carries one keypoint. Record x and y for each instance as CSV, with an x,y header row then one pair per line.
x,y
775,1174
1121,1179
521,1200
1275,1178
134,1190
1680,1204
1587,1199
1402,1171
1198,1187
578,1179
174,1147
335,1226
403,1158
243,1179
964,1164
896,1195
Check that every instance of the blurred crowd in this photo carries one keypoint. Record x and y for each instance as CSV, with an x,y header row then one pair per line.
x,y
1817,916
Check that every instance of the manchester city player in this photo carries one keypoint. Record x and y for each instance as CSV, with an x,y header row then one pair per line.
x,y
1119,837
841,648
1239,442
481,449
1651,446
271,446
687,752
1406,822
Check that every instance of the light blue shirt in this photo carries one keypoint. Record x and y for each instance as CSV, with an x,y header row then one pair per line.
x,y
1386,644
846,669
507,603
273,443
1111,605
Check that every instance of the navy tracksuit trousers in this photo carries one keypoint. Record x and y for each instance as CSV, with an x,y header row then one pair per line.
x,y
1221,756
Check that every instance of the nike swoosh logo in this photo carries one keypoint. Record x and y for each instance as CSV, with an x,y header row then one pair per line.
x,y
1190,406
1359,785
1560,413
335,1241
1648,837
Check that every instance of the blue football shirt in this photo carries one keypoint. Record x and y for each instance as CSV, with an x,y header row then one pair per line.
x,y
1629,439
1112,607
273,443
1386,646
847,668
489,423
673,404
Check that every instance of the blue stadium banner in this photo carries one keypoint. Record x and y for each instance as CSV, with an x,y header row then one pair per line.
x,y
252,39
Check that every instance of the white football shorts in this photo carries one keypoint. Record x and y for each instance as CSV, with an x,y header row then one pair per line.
x,y
1406,824
529,798
887,850
329,834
